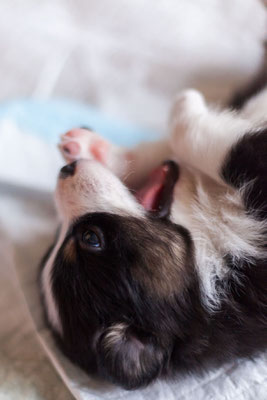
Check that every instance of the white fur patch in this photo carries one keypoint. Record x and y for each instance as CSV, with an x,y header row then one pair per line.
x,y
94,188
201,137
217,221
114,335
51,307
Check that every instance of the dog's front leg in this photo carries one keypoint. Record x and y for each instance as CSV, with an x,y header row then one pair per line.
x,y
202,137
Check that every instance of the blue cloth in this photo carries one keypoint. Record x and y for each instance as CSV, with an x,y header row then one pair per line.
x,y
49,118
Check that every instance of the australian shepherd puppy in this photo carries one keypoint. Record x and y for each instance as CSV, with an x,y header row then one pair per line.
x,y
161,266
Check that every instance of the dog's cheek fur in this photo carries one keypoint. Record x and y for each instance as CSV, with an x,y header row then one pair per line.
x,y
161,256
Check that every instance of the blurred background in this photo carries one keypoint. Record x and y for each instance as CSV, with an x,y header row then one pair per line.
x,y
128,57
113,65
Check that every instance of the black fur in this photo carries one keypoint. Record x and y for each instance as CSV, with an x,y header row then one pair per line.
x,y
97,290
246,164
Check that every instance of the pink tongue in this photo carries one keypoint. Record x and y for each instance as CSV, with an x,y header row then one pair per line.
x,y
150,194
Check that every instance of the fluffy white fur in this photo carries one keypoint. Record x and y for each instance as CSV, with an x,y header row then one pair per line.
x,y
94,188
46,282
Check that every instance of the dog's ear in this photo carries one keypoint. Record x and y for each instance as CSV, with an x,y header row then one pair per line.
x,y
128,357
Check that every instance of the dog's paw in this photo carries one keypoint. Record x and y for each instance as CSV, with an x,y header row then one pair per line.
x,y
187,105
185,121
83,143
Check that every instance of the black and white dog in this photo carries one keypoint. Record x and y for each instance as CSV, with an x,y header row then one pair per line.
x,y
156,271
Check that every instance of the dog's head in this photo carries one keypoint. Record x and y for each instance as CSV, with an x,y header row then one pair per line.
x,y
119,283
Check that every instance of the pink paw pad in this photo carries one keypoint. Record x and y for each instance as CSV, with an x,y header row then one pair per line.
x,y
74,133
83,143
71,149
99,149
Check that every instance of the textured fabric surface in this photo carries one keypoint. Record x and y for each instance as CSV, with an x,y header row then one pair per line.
x,y
25,371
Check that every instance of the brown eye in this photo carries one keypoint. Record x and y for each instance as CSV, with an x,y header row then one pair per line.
x,y
93,239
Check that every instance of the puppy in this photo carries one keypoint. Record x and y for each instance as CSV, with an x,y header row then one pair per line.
x,y
160,266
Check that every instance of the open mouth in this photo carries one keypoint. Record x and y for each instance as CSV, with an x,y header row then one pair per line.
x,y
155,195
157,192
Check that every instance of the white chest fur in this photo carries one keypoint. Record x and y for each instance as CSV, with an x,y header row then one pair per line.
x,y
216,219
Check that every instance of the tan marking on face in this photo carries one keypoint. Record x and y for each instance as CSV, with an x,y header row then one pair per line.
x,y
70,251
164,273
161,268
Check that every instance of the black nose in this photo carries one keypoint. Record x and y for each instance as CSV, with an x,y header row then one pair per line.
x,y
68,170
